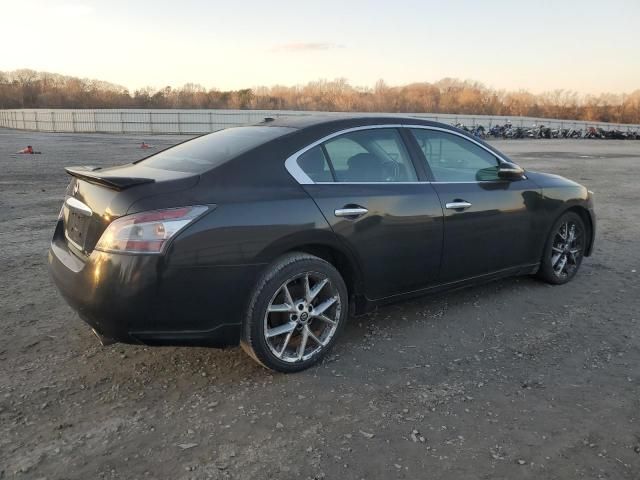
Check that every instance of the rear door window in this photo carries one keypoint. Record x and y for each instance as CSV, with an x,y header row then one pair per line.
x,y
374,155
314,163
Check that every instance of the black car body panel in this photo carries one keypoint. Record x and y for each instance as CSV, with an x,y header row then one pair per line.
x,y
197,290
560,194
499,230
407,217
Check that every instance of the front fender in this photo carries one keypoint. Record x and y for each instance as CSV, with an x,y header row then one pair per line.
x,y
559,195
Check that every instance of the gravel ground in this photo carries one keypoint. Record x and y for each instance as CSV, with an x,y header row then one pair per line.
x,y
514,379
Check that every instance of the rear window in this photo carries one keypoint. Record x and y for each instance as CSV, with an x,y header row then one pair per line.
x,y
203,153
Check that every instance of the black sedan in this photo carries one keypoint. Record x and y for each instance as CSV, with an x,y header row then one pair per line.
x,y
272,235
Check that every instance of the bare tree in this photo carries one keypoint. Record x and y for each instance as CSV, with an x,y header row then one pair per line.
x,y
30,89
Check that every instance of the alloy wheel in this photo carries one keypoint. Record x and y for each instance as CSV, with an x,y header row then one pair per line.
x,y
567,249
302,317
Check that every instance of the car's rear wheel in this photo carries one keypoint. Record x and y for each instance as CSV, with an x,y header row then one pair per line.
x,y
564,249
296,311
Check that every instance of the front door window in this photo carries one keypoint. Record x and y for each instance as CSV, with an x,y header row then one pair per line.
x,y
454,159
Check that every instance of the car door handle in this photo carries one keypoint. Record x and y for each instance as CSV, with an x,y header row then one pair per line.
x,y
458,205
350,212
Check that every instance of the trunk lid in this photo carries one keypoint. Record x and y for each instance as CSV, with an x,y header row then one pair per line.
x,y
95,197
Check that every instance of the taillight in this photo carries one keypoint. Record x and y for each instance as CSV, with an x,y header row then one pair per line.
x,y
147,232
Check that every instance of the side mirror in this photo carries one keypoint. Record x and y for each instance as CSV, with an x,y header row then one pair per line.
x,y
510,171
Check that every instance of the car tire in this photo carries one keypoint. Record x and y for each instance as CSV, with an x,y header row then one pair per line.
x,y
296,311
564,250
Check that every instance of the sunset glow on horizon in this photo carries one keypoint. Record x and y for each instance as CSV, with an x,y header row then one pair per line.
x,y
582,46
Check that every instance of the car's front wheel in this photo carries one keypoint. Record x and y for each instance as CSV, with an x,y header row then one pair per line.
x,y
296,311
564,249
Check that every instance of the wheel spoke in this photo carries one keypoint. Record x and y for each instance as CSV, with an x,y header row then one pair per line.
x,y
281,308
564,227
303,343
285,344
287,295
313,337
281,329
320,309
555,259
326,319
307,291
572,234
556,249
561,265
287,306
317,288
574,255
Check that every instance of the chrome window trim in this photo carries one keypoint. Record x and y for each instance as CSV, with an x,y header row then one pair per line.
x,y
406,183
417,182
478,181
291,163
453,132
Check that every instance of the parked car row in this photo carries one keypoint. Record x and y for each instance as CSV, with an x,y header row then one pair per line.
x,y
540,131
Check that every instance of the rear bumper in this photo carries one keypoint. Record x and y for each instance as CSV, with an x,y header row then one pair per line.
x,y
93,290
141,299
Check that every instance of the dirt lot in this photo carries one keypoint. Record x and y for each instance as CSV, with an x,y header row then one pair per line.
x,y
515,379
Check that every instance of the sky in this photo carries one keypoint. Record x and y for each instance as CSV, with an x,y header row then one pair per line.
x,y
586,46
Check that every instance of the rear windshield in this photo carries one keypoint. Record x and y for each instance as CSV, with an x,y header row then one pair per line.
x,y
203,153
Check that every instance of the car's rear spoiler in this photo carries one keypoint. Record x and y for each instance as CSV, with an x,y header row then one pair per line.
x,y
99,177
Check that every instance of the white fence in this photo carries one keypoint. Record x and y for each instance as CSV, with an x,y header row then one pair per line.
x,y
138,121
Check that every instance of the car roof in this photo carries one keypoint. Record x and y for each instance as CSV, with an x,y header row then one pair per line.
x,y
313,126
340,120
267,160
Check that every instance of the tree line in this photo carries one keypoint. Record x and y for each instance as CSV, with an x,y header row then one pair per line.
x,y
31,89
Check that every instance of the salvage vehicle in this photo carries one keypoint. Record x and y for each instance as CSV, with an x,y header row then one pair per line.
x,y
270,236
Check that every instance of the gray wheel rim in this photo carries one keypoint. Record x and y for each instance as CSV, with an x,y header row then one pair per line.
x,y
302,317
567,249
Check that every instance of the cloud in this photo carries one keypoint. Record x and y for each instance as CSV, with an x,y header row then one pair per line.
x,y
306,47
